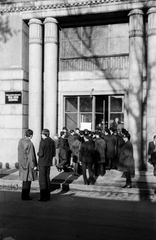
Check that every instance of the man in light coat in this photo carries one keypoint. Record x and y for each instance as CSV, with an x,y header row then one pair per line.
x,y
27,163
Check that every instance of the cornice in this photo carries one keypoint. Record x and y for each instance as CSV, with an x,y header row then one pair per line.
x,y
34,6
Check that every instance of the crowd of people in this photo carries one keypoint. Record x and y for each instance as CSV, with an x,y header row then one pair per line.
x,y
84,151
96,151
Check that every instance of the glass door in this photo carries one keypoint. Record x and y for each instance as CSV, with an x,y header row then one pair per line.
x,y
116,111
85,112
100,113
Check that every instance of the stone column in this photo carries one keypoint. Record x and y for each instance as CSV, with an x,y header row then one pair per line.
x,y
35,79
50,74
136,32
151,77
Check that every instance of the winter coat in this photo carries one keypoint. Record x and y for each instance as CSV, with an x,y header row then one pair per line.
x,y
63,149
152,152
100,149
126,160
87,152
26,159
111,146
46,152
75,148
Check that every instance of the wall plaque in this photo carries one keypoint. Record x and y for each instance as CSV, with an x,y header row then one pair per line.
x,y
13,97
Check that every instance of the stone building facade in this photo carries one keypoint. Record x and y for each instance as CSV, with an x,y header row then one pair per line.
x,y
77,63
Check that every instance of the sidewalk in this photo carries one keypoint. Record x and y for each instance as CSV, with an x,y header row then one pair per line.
x,y
143,183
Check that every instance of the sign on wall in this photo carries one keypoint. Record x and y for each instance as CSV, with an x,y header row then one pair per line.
x,y
13,97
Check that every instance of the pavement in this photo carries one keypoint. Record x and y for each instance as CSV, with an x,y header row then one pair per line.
x,y
143,184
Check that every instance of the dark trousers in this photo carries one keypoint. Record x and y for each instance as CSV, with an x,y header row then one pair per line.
x,y
111,163
84,169
154,170
44,182
101,169
26,185
128,178
96,168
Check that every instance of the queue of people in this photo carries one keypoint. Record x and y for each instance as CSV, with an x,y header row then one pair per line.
x,y
96,151
84,151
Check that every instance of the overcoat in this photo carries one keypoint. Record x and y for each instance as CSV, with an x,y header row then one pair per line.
x,y
111,146
100,149
152,152
87,152
46,152
26,159
126,160
63,149
75,148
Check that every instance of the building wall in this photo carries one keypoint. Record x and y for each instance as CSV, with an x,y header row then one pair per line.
x,y
78,75
13,78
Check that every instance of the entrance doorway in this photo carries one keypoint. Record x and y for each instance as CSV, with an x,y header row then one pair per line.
x,y
92,112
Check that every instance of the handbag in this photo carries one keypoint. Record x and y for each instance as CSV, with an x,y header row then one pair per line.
x,y
35,174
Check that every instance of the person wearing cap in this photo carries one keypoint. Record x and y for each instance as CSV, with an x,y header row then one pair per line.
x,y
45,154
86,159
27,163
152,155
63,152
70,141
100,156
111,148
126,160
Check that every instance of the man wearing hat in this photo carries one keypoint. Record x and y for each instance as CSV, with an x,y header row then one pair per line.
x,y
46,154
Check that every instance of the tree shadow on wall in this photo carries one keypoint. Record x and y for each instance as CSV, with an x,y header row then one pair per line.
x,y
6,31
86,40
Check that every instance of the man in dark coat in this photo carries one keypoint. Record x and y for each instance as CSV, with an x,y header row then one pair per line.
x,y
152,151
120,142
126,160
63,152
100,151
86,158
152,154
27,163
111,148
46,154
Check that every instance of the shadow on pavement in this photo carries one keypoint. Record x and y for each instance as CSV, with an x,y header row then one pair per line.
x,y
63,180
5,172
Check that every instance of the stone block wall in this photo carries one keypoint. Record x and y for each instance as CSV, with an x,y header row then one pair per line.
x,y
13,78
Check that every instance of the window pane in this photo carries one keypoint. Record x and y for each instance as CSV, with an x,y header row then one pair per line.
x,y
99,104
86,104
71,104
86,117
116,104
71,120
120,116
99,121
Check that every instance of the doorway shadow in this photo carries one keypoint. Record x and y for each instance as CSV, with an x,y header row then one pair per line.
x,y
63,180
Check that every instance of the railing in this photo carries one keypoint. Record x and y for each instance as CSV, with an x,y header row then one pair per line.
x,y
120,62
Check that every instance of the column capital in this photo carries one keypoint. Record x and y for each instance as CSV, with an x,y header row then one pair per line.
x,y
50,20
35,31
151,10
35,21
136,12
51,30
136,25
151,22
